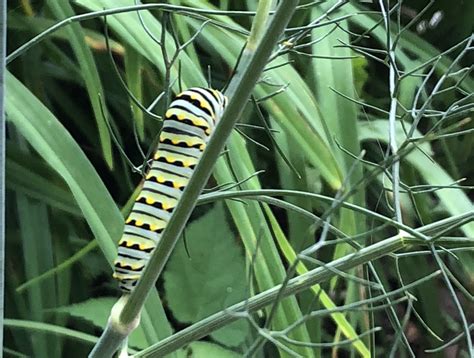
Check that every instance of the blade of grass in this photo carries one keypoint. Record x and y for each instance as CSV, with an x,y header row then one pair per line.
x,y
251,223
133,62
185,34
295,285
305,127
22,179
341,118
62,9
32,232
58,148
59,268
298,233
3,42
130,30
50,328
339,318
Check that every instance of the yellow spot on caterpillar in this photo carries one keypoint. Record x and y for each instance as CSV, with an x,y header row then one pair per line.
x,y
181,117
149,201
160,179
176,185
202,146
153,227
128,220
193,96
136,267
139,222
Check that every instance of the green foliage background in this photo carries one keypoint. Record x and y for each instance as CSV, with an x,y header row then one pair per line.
x,y
69,186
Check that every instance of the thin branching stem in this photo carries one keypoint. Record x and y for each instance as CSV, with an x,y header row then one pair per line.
x,y
392,116
3,41
294,285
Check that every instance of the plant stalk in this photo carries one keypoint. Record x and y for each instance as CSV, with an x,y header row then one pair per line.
x,y
259,301
3,32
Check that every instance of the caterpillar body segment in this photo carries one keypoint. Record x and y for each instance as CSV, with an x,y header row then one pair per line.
x,y
187,127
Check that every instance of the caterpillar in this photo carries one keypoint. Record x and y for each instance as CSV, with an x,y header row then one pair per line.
x,y
188,124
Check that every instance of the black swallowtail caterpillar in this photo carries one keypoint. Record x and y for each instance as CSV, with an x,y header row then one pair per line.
x,y
187,127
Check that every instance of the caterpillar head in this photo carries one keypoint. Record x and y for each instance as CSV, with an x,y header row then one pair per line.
x,y
206,100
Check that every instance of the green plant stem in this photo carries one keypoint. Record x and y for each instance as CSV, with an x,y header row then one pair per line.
x,y
272,192
258,24
3,32
90,74
259,301
59,268
239,93
50,328
298,284
392,116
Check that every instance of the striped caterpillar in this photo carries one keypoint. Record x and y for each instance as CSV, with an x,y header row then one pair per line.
x,y
187,127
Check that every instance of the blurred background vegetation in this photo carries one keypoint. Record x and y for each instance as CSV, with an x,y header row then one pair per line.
x,y
76,145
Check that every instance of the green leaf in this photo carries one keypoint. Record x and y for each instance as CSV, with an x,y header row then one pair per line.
x,y
213,275
53,142
339,318
295,110
361,76
133,67
62,9
32,326
253,228
96,310
130,30
36,242
206,350
340,115
21,177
